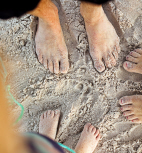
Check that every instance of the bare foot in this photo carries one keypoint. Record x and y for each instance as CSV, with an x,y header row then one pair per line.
x,y
103,43
48,123
134,61
88,140
51,48
131,106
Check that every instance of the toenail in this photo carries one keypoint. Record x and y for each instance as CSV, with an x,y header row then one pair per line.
x,y
132,121
121,108
124,114
129,65
127,117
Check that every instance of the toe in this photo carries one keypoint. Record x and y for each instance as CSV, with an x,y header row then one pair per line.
x,y
52,113
126,108
56,67
94,130
45,114
49,112
131,59
45,63
86,127
131,117
130,67
50,66
42,116
128,113
98,137
99,65
57,113
135,54
97,133
64,66
136,120
90,128
125,100
138,51
109,60
115,54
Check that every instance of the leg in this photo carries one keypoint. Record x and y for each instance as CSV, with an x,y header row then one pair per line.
x,y
103,40
48,123
131,106
50,45
134,61
88,140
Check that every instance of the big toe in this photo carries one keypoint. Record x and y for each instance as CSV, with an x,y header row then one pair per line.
x,y
57,114
56,67
64,66
50,66
132,67
99,65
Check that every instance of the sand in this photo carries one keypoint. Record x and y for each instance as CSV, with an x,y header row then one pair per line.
x,y
83,95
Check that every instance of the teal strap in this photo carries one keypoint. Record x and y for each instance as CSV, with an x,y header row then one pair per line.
x,y
66,147
22,108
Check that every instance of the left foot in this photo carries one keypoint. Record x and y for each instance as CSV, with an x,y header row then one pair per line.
x,y
131,106
134,61
48,123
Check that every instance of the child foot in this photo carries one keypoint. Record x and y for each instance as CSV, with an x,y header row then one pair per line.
x,y
134,61
131,106
51,48
88,140
103,43
48,123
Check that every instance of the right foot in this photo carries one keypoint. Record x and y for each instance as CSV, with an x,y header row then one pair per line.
x,y
103,43
88,140
50,47
102,37
48,123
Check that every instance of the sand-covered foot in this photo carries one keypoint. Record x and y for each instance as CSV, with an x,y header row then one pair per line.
x,y
89,139
134,61
50,47
131,106
103,43
48,123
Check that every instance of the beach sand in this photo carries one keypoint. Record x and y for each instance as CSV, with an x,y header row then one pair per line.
x,y
83,95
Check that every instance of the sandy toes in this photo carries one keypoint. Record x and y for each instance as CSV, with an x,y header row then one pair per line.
x,y
88,140
48,123
51,48
134,61
131,106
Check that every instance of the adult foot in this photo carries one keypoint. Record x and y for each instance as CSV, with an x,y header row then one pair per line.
x,y
48,123
88,140
103,43
134,61
50,47
131,106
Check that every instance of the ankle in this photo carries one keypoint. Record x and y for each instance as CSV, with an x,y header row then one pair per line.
x,y
91,13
